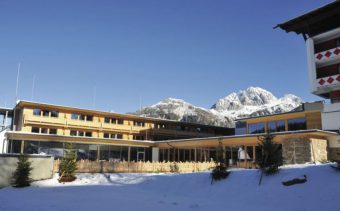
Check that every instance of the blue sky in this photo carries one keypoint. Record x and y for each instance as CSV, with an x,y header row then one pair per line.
x,y
128,50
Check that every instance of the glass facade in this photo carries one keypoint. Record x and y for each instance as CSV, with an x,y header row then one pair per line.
x,y
256,128
83,151
297,124
241,128
276,126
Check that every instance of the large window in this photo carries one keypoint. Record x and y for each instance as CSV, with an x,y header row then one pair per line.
x,y
241,128
276,126
139,123
54,114
82,117
75,116
256,128
36,112
297,124
35,130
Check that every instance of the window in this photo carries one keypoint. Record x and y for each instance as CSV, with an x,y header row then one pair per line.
x,y
88,134
106,135
276,126
256,128
297,124
44,130
35,130
113,136
241,128
138,137
107,120
73,133
89,118
55,114
36,112
81,133
119,136
139,124
82,117
120,121
46,113
75,116
53,131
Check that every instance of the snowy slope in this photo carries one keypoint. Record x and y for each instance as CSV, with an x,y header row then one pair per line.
x,y
182,192
253,101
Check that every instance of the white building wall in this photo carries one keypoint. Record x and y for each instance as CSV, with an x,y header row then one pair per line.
x,y
3,142
331,117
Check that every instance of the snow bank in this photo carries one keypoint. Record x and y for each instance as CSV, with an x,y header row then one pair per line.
x,y
182,192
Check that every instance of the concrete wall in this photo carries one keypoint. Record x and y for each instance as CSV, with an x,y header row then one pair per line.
x,y
334,154
42,167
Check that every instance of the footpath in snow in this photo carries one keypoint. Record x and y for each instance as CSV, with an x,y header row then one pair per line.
x,y
182,192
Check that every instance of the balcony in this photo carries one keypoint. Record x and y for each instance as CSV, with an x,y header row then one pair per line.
x,y
328,81
327,56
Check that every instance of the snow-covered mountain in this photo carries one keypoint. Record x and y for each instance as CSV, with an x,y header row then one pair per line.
x,y
253,101
176,109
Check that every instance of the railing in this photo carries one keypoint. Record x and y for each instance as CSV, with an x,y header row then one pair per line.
x,y
327,55
86,166
328,81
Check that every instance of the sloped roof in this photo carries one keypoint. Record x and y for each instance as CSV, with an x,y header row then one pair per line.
x,y
314,22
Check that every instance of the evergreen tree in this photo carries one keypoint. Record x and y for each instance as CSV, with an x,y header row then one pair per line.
x,y
221,169
271,155
68,165
22,173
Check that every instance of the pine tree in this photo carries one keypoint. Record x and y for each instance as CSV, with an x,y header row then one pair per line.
x,y
22,173
221,169
68,165
271,155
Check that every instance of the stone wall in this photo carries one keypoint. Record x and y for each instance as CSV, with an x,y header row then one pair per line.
x,y
42,167
303,150
296,151
334,154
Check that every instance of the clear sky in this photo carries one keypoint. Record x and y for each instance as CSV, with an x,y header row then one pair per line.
x,y
127,50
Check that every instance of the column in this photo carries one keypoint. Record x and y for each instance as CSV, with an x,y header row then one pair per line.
x,y
245,156
129,154
22,147
155,154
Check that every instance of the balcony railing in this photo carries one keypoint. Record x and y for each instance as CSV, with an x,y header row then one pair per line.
x,y
328,81
327,55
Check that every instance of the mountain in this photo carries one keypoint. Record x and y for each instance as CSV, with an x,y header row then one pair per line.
x,y
253,101
176,109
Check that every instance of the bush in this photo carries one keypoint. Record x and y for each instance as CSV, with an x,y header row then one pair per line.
x,y
271,155
219,172
174,168
68,165
221,169
22,173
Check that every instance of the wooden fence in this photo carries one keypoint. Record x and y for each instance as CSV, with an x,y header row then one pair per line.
x,y
86,166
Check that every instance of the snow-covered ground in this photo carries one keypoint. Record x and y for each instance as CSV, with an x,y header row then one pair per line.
x,y
182,192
